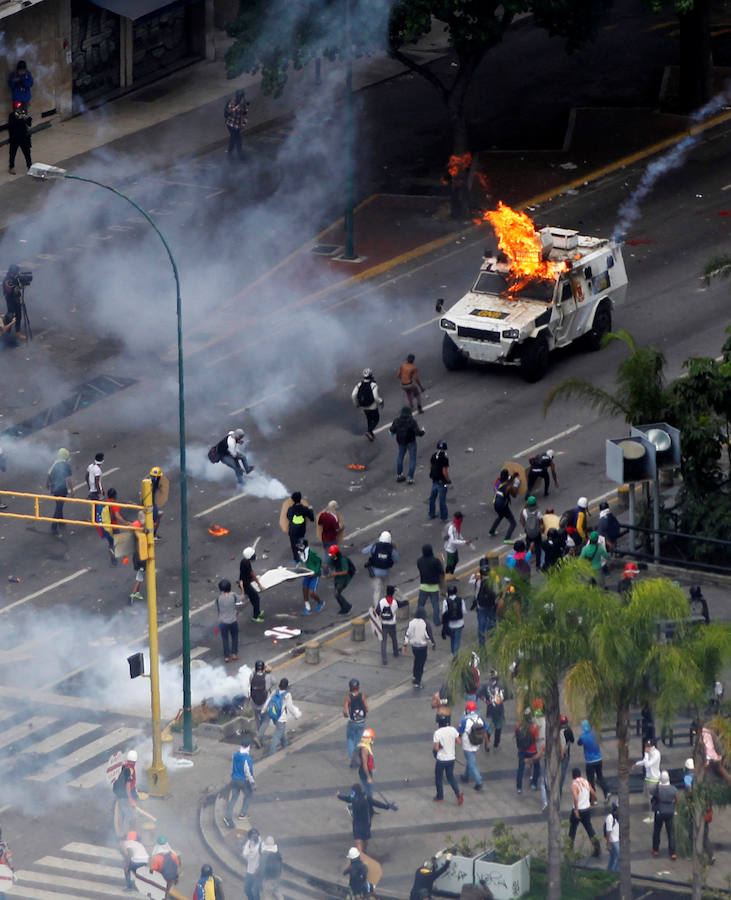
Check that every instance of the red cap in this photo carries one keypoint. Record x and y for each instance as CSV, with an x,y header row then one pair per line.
x,y
17,104
333,550
470,706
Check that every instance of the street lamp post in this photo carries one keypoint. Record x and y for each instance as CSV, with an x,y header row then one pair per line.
x,y
349,141
45,172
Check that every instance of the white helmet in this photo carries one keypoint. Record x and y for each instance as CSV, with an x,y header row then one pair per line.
x,y
582,502
353,853
248,552
238,433
549,454
368,373
132,756
689,764
384,537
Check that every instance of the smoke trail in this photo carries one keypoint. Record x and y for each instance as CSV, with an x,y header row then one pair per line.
x,y
629,211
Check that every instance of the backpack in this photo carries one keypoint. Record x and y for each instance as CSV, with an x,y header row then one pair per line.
x,y
382,556
208,890
351,568
119,788
486,596
568,519
169,869
500,500
522,566
532,524
523,738
218,451
272,864
540,462
364,397
274,708
387,613
259,691
477,733
436,464
454,609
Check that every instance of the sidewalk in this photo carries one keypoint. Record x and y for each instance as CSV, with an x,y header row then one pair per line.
x,y
294,799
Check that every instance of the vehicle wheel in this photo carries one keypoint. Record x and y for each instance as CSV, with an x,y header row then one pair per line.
x,y
534,359
602,325
452,356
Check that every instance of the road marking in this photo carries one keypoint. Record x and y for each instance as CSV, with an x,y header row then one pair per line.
x,y
45,590
37,894
428,406
63,881
91,850
423,325
25,651
25,729
219,505
88,751
399,512
551,440
288,387
65,736
726,187
195,652
74,865
106,472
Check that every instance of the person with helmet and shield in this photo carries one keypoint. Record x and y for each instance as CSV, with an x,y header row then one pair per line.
x,y
160,494
365,396
247,579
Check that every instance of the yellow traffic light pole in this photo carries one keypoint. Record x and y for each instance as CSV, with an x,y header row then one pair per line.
x,y
157,772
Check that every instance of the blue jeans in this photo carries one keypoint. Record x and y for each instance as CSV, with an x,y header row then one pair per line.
x,y
434,597
236,788
455,638
613,864
402,448
445,769
279,738
470,766
438,490
353,735
524,755
367,785
564,769
485,623
238,465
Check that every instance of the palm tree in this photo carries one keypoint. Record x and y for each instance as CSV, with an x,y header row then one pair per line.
x,y
624,665
546,630
688,670
640,395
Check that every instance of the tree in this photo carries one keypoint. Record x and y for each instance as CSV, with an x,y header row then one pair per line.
x,y
625,666
272,34
546,631
696,58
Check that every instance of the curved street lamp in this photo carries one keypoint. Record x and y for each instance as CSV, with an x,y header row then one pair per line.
x,y
46,172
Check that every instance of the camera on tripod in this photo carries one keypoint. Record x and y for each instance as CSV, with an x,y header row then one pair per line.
x,y
24,278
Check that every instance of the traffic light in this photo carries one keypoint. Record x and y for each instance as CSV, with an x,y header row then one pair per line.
x,y
136,665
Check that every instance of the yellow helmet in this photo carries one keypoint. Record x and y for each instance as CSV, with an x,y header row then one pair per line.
x,y
156,471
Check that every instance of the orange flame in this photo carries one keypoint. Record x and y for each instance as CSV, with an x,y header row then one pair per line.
x,y
459,163
518,239
356,466
217,531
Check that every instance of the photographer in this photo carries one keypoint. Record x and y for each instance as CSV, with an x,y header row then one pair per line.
x,y
13,290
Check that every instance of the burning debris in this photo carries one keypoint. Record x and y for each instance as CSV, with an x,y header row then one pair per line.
x,y
217,530
523,247
457,164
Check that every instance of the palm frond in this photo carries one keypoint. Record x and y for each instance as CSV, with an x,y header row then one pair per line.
x,y
577,388
716,267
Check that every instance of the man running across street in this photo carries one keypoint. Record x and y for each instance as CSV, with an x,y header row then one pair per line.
x,y
419,636
408,375
366,397
242,781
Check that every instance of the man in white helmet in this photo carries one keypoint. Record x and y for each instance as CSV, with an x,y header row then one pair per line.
x,y
125,792
366,397
382,555
247,579
233,454
539,467
358,873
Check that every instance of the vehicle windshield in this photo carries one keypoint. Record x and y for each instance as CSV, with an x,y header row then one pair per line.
x,y
495,283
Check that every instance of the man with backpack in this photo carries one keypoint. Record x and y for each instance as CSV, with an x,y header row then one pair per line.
x,y
472,732
260,687
297,515
485,599
526,735
440,481
208,886
135,856
355,710
165,861
406,429
242,782
519,559
532,522
431,576
270,870
539,467
453,613
504,490
125,792
230,451
493,695
382,555
366,397
280,709
341,570
387,610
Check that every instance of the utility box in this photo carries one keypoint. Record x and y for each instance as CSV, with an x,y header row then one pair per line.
x,y
630,459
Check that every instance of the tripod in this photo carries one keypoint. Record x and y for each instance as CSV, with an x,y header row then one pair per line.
x,y
24,320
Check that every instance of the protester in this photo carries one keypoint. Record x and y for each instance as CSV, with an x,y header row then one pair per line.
x,y
366,397
208,886
94,478
228,624
445,740
6,859
310,560
583,796
419,636
431,576
485,599
427,874
611,835
280,710
566,739
608,527
261,686
125,792
592,757
341,570
298,514
597,556
539,467
355,710
366,760
60,484
493,695
408,375
453,613
235,116
357,874
712,755
651,764
666,796
232,453
247,580
472,731
251,852
387,610
19,125
504,491
330,524
20,82
135,856
526,735
453,540
406,430
382,556
270,870
165,861
361,808
242,782
440,479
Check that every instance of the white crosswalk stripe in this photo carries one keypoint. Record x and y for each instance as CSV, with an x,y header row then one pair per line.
x,y
26,728
68,876
85,753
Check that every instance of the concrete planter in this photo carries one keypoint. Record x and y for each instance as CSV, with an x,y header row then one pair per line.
x,y
222,732
504,881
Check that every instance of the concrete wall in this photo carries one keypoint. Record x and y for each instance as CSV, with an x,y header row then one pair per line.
x,y
37,35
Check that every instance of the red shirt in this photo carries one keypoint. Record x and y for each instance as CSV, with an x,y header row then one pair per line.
x,y
330,527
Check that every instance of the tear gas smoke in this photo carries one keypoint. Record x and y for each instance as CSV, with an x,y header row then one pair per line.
x,y
258,484
629,211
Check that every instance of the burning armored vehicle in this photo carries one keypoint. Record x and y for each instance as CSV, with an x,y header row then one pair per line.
x,y
543,289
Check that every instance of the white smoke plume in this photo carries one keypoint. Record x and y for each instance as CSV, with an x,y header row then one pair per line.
x,y
629,211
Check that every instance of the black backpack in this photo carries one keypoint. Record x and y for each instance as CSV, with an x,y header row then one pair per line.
x,y
477,733
382,555
119,788
387,613
532,524
259,688
454,609
218,451
272,864
169,869
486,596
523,738
365,393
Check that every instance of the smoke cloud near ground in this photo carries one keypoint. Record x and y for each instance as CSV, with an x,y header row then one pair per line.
x,y
257,484
629,211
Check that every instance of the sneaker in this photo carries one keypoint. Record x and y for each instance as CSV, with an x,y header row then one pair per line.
x,y
320,606
11,170
507,541
227,659
256,742
439,799
409,481
227,822
251,469
234,656
400,478
460,798
544,807
136,596
491,533
519,790
259,618
306,612
242,816
673,856
478,787
655,853
371,437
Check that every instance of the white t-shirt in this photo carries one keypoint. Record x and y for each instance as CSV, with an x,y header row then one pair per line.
x,y
467,744
446,736
137,852
583,801
251,851
93,470
611,828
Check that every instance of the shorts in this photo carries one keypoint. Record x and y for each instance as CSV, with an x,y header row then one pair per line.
x,y
311,582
